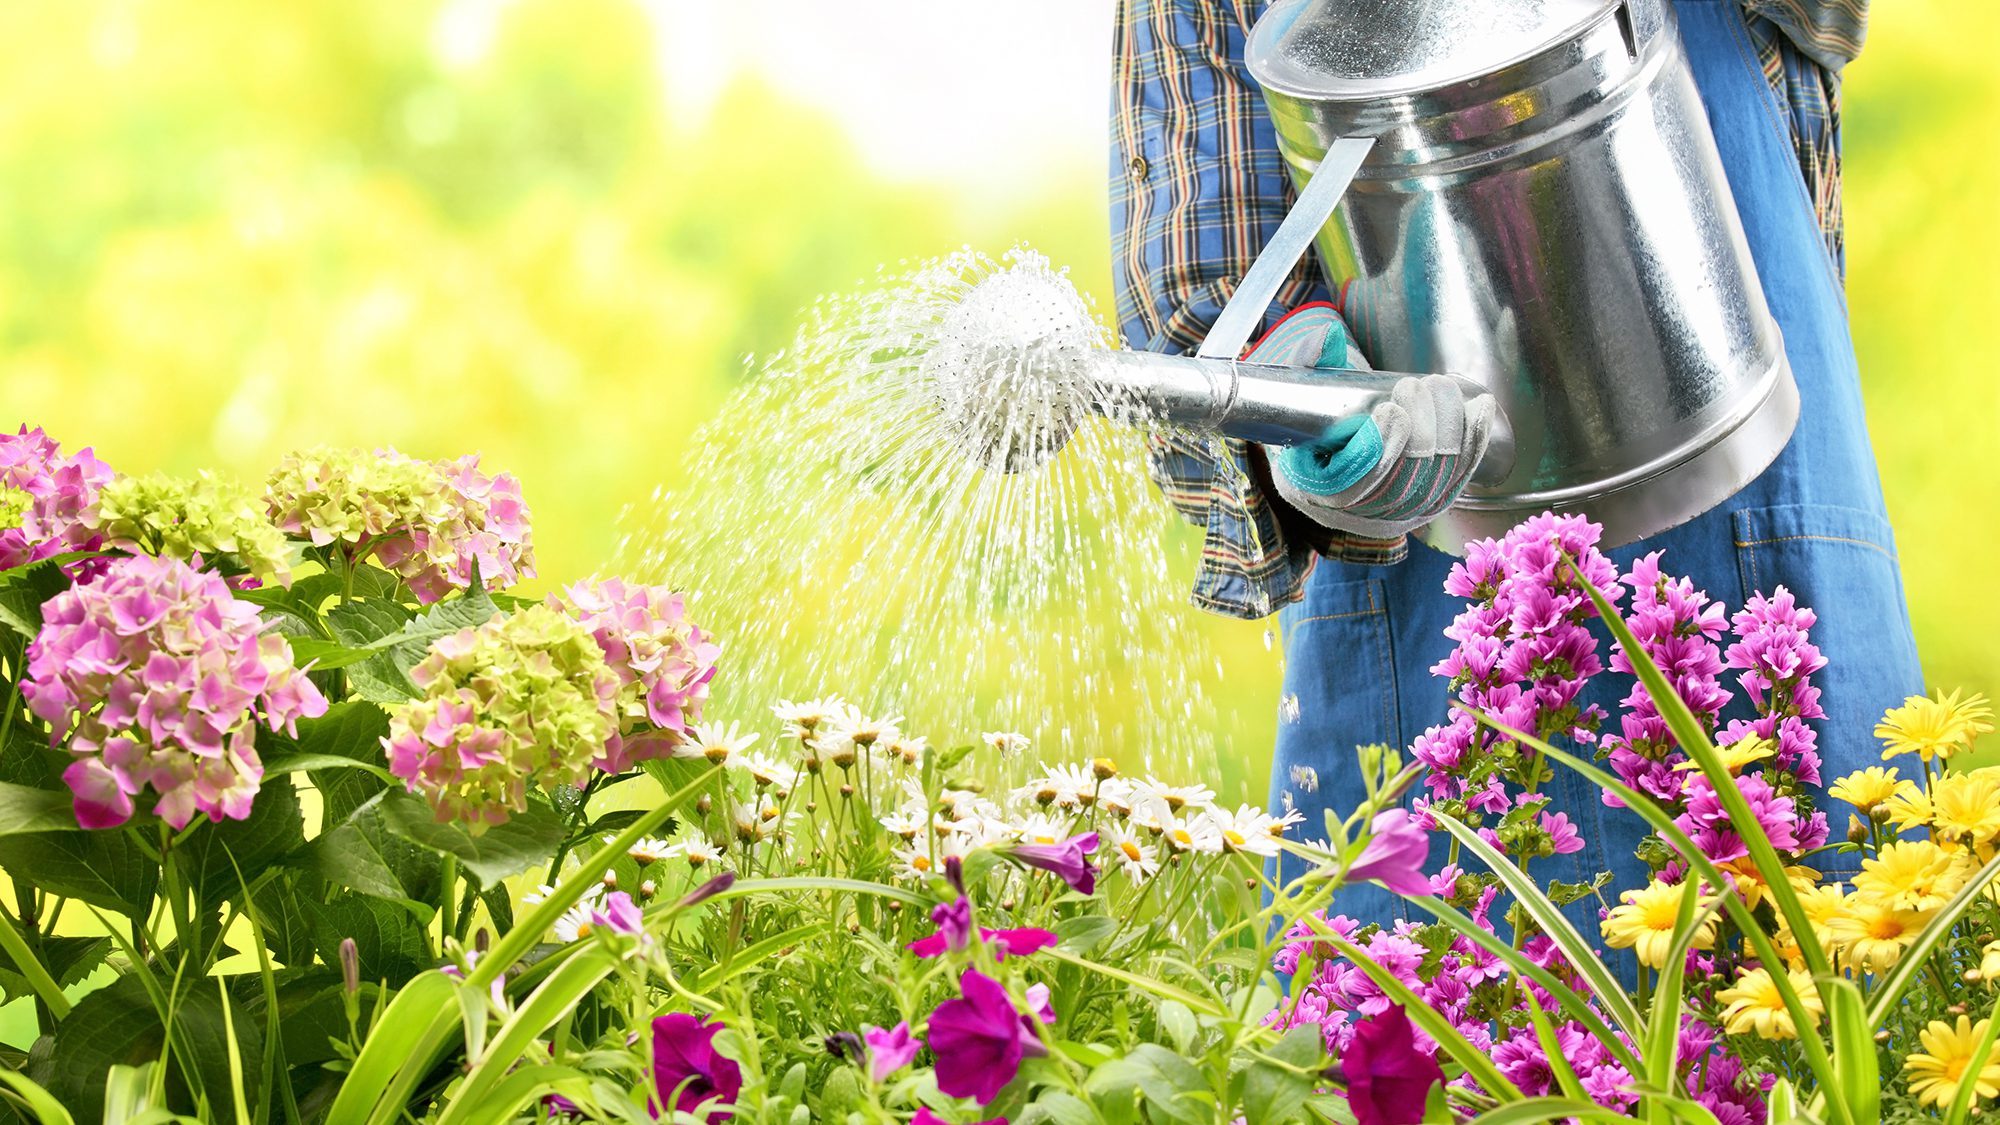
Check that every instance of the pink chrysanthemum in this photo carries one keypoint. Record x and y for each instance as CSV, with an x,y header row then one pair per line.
x,y
663,661
46,499
154,676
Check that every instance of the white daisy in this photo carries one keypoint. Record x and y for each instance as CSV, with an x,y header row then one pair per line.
x,y
913,863
1115,796
1193,834
698,851
647,850
1248,830
904,823
908,749
1006,743
537,896
803,720
1139,860
1179,797
1039,828
715,742
1065,786
864,731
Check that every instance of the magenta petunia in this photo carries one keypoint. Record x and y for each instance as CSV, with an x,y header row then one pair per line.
x,y
688,1072
1396,855
980,1039
1069,860
1389,1078
890,1049
926,1117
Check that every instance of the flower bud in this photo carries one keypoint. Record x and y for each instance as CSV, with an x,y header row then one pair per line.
x,y
648,889
1104,768
703,804
708,890
350,966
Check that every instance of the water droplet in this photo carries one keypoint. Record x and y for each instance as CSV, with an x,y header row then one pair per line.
x,y
1270,640
1288,707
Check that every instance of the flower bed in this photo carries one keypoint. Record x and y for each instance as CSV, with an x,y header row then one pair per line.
x,y
308,819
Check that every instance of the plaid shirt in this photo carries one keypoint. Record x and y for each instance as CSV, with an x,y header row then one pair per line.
x,y
1198,187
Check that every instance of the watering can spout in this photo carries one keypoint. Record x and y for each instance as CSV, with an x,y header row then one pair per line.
x,y
1268,404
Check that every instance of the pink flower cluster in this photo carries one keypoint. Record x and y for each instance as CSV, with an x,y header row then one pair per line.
x,y
1524,654
663,661
1467,986
154,676
48,497
485,523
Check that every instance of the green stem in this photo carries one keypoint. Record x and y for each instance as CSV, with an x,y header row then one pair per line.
x,y
447,885
38,977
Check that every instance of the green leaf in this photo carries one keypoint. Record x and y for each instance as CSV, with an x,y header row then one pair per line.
x,y
398,1051
1171,1085
1083,933
361,628
349,735
387,935
47,1110
362,852
104,868
1273,1093
216,852
23,809
117,1025
1057,1108
23,590
67,960
1855,1061
527,839
280,906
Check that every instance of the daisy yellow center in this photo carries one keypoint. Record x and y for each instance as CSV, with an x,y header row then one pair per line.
x,y
1887,927
1131,851
920,863
1182,836
1234,837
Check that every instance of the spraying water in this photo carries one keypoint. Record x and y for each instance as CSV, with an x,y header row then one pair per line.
x,y
918,507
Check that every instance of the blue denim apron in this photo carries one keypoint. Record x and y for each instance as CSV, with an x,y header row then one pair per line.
x,y
1360,645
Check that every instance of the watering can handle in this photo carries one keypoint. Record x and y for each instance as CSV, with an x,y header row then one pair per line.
x,y
1246,309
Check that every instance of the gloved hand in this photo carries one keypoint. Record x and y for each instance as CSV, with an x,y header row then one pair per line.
x,y
1387,473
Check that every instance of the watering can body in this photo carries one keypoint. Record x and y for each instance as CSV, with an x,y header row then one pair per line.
x,y
1543,212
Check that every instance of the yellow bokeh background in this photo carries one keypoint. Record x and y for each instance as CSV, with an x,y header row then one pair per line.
x,y
229,228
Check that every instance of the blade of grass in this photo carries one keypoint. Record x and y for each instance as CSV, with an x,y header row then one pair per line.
x,y
1461,1050
1687,731
1575,1006
241,1107
1810,1044
1853,1046
1156,987
1968,1087
552,1001
1582,958
31,968
35,1099
1891,987
1545,1033
1534,1110
420,1010
1661,1053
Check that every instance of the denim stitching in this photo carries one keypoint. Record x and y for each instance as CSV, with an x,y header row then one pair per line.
x,y
1870,544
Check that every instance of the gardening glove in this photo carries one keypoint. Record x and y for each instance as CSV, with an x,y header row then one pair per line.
x,y
1388,472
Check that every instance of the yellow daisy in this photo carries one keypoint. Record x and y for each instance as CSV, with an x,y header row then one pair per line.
x,y
1867,788
1820,904
1754,1006
1965,809
1936,1072
1909,808
1645,924
1872,937
1989,960
1738,754
1912,875
1933,727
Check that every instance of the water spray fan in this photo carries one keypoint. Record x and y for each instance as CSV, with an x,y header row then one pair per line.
x,y
1523,193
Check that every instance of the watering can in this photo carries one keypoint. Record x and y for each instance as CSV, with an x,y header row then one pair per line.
x,y
1524,194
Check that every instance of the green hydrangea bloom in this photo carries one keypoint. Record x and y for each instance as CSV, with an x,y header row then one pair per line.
x,y
14,505
520,701
352,496
185,517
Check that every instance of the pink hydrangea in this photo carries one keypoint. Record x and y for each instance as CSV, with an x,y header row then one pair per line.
x,y
153,676
485,525
663,661
46,499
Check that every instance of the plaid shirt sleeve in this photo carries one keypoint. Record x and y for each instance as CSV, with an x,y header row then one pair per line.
x,y
1197,188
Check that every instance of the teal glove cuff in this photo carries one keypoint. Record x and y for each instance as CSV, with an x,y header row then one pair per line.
x,y
1336,462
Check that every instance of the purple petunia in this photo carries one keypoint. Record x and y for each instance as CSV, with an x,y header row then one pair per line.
x,y
1069,860
981,1038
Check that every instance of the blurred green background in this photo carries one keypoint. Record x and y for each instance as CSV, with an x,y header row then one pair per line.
x,y
232,227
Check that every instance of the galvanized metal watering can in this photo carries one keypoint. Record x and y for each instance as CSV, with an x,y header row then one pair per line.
x,y
1526,194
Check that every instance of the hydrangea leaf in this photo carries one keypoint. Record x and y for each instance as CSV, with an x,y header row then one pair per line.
x,y
216,853
118,1026
528,839
23,809
102,868
388,935
361,853
24,589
